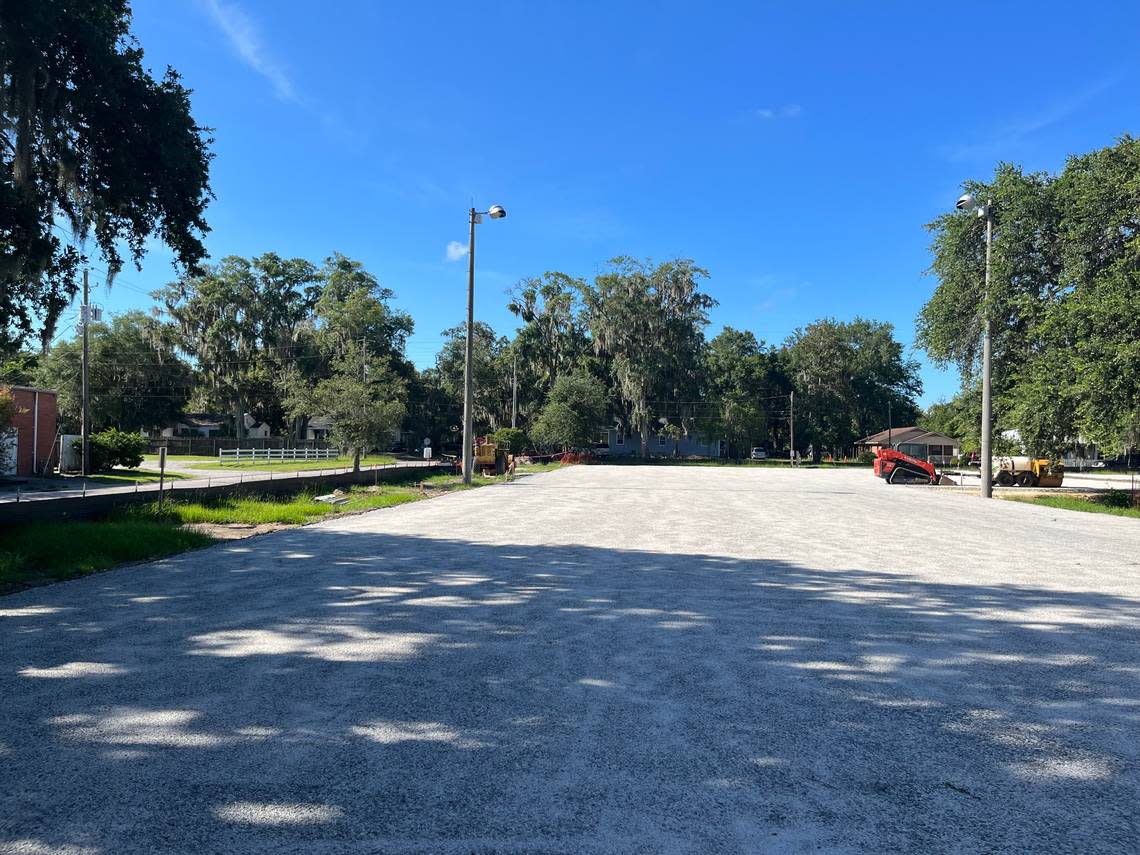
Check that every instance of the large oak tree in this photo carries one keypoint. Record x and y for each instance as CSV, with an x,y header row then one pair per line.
x,y
91,146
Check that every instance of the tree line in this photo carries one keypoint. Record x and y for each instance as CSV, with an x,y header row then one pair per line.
x,y
284,340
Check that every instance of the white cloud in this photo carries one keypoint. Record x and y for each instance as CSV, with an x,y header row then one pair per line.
x,y
244,38
456,250
1012,134
788,111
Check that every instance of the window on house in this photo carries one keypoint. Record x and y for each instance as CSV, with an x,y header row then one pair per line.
x,y
620,439
661,442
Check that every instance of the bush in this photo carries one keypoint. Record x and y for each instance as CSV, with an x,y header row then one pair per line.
x,y
114,447
512,439
1115,499
866,456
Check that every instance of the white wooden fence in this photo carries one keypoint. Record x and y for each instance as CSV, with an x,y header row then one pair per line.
x,y
232,455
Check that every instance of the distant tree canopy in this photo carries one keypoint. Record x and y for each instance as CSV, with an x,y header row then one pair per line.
x,y
87,137
137,378
1064,299
845,376
282,340
648,321
574,413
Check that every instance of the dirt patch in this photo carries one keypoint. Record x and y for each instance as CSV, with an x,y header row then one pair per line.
x,y
234,531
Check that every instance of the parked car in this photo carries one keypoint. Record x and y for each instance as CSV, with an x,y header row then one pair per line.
x,y
1123,462
759,453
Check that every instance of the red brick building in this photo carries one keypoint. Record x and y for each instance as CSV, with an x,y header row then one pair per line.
x,y
35,423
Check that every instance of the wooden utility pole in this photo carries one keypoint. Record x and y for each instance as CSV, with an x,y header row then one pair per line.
x,y
792,427
514,390
85,424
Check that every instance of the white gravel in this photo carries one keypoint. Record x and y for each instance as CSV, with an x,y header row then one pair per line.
x,y
599,659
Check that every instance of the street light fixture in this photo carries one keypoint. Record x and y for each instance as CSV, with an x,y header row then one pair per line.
x,y
967,202
495,212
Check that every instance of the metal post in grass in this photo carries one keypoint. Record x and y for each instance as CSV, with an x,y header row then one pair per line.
x,y
161,473
85,488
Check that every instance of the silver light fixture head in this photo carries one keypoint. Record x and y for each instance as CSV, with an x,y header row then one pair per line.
x,y
497,212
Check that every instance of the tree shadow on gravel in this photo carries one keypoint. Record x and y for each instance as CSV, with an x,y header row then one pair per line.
x,y
321,690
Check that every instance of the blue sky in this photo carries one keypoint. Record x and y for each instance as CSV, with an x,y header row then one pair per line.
x,y
794,150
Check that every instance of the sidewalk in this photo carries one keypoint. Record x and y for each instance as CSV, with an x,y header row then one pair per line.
x,y
84,488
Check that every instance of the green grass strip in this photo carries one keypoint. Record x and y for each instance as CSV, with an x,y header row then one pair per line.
x,y
291,465
1072,503
47,551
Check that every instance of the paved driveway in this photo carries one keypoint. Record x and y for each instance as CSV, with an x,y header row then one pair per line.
x,y
599,659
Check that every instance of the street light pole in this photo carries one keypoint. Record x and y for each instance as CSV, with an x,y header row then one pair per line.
x,y
967,202
468,367
495,212
987,454
85,423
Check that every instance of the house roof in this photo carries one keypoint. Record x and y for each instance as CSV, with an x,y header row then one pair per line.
x,y
321,423
201,419
909,433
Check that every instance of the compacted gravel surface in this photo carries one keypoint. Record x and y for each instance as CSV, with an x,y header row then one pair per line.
x,y
598,659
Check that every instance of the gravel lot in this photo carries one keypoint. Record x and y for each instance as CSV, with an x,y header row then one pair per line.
x,y
598,659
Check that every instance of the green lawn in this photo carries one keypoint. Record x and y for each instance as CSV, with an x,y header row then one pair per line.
x,y
48,551
129,476
291,465
152,459
1094,505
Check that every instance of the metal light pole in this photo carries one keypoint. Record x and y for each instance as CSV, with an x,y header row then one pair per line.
x,y
495,212
987,454
85,418
968,203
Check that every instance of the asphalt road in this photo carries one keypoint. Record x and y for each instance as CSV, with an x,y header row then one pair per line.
x,y
598,659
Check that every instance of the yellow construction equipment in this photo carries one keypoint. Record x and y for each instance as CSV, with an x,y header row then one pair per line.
x,y
1028,472
490,459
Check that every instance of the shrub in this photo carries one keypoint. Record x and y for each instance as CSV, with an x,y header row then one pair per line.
x,y
866,456
1115,499
8,412
114,447
7,407
513,439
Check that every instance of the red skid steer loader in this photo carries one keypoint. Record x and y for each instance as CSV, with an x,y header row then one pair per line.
x,y
898,468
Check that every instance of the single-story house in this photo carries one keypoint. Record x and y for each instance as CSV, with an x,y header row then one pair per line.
x,y
936,448
623,444
210,424
319,428
193,424
255,429
27,447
